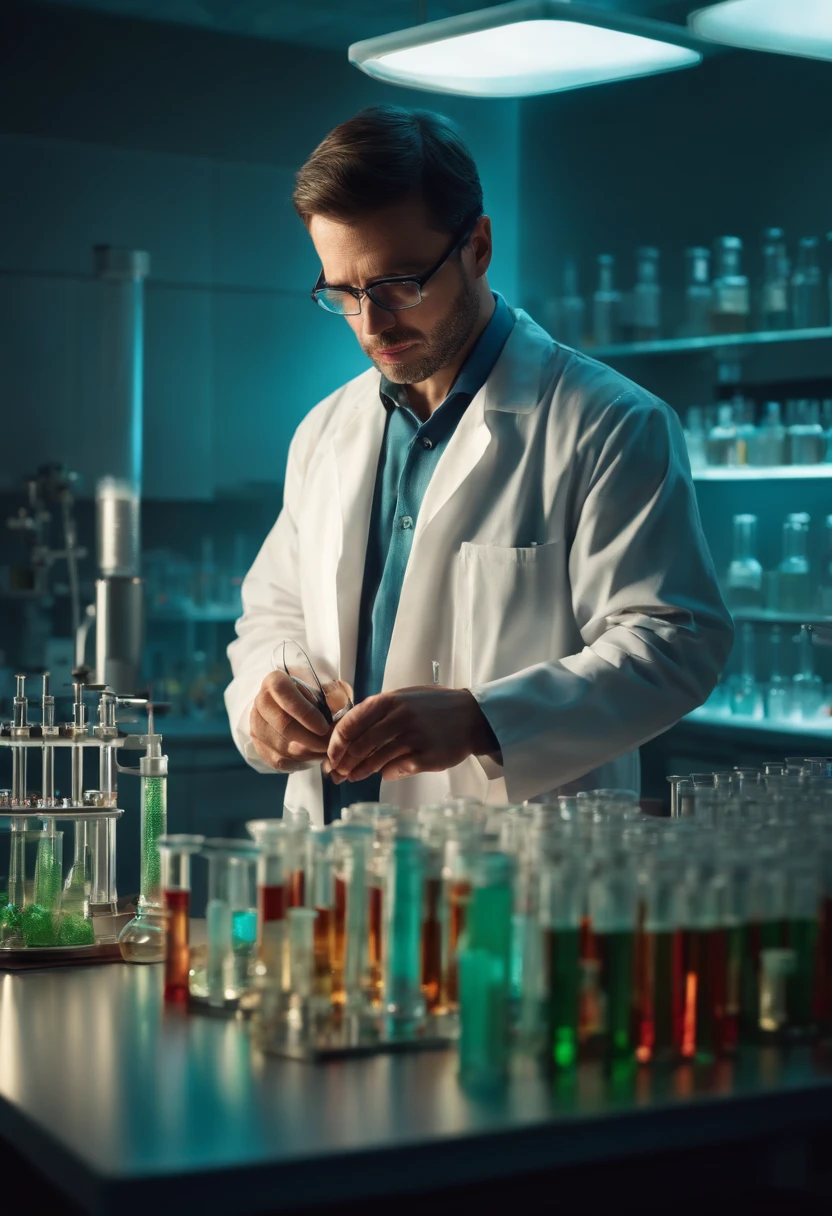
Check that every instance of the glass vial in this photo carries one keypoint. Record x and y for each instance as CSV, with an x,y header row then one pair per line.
x,y
176,854
779,700
795,592
647,296
768,448
721,448
484,974
730,303
807,687
403,999
807,442
774,307
697,321
606,304
746,694
695,437
745,574
807,285
571,309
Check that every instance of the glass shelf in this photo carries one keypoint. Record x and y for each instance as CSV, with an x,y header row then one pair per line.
x,y
819,728
767,616
775,472
681,346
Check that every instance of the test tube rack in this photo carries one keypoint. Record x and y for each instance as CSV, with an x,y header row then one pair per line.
x,y
77,919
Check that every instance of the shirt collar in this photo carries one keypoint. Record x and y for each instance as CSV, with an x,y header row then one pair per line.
x,y
476,368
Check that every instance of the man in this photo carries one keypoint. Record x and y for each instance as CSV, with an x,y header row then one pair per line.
x,y
482,504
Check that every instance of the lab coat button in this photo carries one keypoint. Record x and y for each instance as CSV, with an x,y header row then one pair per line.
x,y
427,445
407,522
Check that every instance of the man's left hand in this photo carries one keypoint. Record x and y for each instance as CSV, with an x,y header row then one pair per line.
x,y
411,730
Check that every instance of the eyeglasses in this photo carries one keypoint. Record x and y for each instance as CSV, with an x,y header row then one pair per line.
x,y
391,294
331,700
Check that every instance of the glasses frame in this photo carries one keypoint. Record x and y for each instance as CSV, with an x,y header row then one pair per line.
x,y
316,690
420,280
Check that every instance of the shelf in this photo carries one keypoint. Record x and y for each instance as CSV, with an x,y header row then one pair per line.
x,y
775,472
681,346
817,729
766,616
197,615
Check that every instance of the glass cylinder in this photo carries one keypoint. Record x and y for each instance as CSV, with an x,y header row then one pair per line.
x,y
807,686
730,299
321,886
484,974
353,853
647,296
697,320
768,447
176,852
807,442
612,916
231,915
794,586
745,574
774,307
142,940
461,848
606,304
562,899
807,285
404,1000
721,446
779,699
746,693
659,969
302,956
571,309
273,872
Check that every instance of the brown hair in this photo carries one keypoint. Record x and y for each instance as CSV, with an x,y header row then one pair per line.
x,y
385,155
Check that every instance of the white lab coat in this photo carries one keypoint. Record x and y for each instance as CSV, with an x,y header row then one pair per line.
x,y
558,570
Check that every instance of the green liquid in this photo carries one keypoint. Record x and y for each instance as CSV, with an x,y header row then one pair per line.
x,y
489,922
48,874
800,986
154,825
564,980
616,950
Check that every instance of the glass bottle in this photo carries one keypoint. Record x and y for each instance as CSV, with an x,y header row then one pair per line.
x,y
826,424
606,304
807,285
746,430
746,694
647,296
769,444
721,448
826,569
779,700
695,437
807,442
774,311
730,304
697,292
807,688
571,309
795,592
745,574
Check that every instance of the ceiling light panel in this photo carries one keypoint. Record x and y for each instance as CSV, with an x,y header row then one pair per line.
x,y
790,27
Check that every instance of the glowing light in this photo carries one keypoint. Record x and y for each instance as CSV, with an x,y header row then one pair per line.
x,y
784,26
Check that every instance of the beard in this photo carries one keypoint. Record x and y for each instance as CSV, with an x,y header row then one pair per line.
x,y
442,343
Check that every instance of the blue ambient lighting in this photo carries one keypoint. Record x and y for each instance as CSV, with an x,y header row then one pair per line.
x,y
514,50
790,27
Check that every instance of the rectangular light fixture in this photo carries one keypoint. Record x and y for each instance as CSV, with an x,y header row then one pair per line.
x,y
790,27
527,47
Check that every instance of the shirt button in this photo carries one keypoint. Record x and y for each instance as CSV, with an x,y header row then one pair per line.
x,y
407,522
427,445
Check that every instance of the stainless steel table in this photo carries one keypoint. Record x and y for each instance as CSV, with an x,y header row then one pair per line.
x,y
129,1106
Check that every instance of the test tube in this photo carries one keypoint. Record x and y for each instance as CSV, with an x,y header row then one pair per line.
x,y
433,826
231,916
659,974
461,846
404,999
561,904
484,974
270,835
612,912
297,822
803,900
176,854
353,848
321,882
20,729
302,956
47,782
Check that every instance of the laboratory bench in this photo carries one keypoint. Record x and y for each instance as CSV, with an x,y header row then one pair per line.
x,y
112,1102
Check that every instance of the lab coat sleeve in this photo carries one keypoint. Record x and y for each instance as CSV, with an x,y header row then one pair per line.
x,y
272,609
646,602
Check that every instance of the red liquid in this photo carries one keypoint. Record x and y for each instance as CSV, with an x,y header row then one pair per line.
x,y
270,903
660,986
706,975
177,954
432,944
297,889
338,941
376,898
460,899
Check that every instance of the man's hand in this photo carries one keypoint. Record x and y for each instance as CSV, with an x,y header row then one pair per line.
x,y
287,731
412,730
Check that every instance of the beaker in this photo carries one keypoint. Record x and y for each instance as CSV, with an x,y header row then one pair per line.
x,y
231,914
32,918
176,852
271,838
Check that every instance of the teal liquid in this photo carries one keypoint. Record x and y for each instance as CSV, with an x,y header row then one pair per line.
x,y
564,992
244,928
489,922
616,951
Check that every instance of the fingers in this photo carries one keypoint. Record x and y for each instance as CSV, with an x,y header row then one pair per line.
x,y
406,766
282,730
292,743
376,761
282,690
355,723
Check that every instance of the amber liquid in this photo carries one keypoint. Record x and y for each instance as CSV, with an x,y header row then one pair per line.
x,y
376,898
432,944
177,954
323,979
460,900
338,941
297,889
705,992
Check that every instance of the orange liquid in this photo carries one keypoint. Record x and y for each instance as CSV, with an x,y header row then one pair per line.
x,y
323,981
338,941
432,944
297,889
177,954
376,908
460,899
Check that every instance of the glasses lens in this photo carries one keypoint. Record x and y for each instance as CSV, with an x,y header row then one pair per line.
x,y
340,302
405,294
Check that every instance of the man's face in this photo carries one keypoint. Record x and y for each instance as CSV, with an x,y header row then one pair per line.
x,y
410,345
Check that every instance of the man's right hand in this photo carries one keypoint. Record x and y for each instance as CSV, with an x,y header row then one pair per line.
x,y
287,731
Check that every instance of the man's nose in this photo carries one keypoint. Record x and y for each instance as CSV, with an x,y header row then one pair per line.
x,y
375,320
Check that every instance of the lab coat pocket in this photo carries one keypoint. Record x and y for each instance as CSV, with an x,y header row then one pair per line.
x,y
507,602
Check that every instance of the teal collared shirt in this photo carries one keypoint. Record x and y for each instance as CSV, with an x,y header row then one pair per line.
x,y
410,452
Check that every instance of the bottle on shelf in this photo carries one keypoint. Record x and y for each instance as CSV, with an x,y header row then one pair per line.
x,y
745,574
721,448
807,687
744,411
695,437
826,425
746,693
730,300
774,311
792,582
807,442
606,304
571,309
768,447
807,285
647,296
779,697
697,322
826,568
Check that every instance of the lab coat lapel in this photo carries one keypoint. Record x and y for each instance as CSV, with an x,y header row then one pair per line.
x,y
355,449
